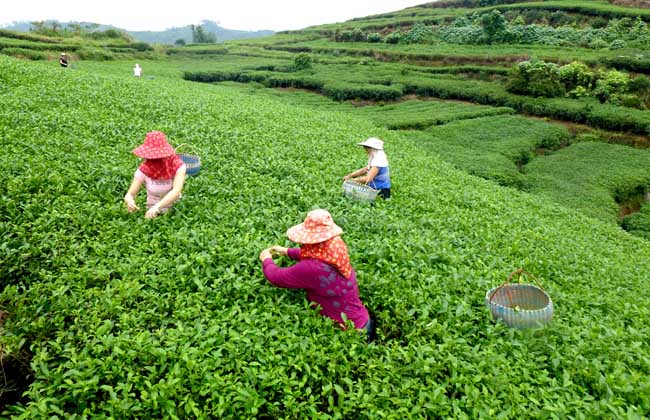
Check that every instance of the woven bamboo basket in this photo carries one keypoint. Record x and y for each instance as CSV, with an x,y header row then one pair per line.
x,y
359,192
191,159
520,305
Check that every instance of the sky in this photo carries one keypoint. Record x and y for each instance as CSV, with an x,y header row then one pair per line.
x,y
156,15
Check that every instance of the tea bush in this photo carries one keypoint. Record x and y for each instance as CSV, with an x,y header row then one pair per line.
x,y
422,114
638,223
24,52
591,177
302,62
341,91
172,318
493,147
535,78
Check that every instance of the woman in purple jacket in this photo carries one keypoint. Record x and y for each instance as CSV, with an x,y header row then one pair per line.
x,y
323,270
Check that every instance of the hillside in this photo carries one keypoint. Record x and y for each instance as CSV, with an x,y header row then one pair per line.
x,y
582,66
168,36
104,314
127,318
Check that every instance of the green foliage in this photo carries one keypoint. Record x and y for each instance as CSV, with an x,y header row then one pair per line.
x,y
393,37
577,75
493,148
592,112
179,42
24,53
637,62
638,223
591,177
611,86
418,34
96,54
422,114
27,36
640,86
90,31
441,82
547,79
355,35
494,25
535,78
201,36
374,37
302,62
172,318
140,46
341,91
107,34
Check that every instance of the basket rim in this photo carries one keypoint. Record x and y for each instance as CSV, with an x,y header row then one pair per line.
x,y
490,303
358,184
189,155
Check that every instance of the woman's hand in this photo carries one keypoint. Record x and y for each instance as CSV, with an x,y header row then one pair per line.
x,y
152,212
345,178
279,250
266,254
130,203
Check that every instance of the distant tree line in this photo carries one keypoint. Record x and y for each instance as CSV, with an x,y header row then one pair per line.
x,y
85,30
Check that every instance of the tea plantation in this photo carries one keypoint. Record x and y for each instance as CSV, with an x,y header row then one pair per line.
x,y
120,317
104,314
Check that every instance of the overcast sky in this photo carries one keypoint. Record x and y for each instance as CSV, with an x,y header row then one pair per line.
x,y
150,15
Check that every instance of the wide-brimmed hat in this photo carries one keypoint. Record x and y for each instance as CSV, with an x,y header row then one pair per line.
x,y
317,227
373,143
155,146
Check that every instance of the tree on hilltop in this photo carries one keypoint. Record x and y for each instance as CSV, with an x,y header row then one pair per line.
x,y
201,36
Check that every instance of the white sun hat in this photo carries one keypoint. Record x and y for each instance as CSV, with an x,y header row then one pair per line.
x,y
373,143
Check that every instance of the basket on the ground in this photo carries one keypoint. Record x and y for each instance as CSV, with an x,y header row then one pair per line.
x,y
190,158
360,192
520,305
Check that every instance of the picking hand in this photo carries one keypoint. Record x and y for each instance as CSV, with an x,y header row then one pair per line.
x,y
130,204
265,254
278,250
151,213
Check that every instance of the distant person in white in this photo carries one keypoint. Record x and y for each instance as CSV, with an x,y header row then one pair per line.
x,y
137,70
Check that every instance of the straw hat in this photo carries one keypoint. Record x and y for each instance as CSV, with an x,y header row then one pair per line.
x,y
373,143
155,147
317,227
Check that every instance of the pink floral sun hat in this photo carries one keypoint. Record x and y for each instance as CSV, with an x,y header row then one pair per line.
x,y
155,146
317,227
